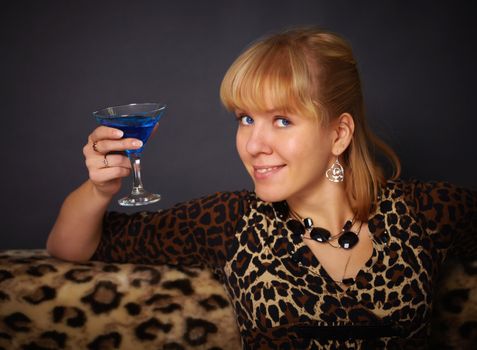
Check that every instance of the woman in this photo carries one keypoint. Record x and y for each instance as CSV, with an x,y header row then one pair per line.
x,y
325,252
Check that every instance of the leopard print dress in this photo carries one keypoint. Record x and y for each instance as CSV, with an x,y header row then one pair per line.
x,y
283,298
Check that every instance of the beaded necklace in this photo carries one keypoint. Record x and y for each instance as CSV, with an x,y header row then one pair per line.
x,y
347,239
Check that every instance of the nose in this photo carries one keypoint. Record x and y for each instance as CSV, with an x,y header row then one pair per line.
x,y
259,141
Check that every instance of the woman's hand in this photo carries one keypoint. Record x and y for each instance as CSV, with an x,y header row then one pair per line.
x,y
107,169
77,229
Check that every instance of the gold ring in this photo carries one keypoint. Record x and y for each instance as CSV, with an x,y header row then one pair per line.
x,y
95,144
105,161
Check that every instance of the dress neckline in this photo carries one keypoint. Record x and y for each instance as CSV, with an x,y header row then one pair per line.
x,y
302,255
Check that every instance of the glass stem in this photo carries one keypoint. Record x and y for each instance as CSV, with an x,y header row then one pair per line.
x,y
137,182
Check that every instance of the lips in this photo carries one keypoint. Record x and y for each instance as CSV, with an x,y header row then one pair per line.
x,y
266,171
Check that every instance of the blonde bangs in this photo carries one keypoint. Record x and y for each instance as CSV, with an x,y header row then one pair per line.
x,y
269,76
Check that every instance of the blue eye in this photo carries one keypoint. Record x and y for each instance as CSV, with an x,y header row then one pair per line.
x,y
246,120
283,122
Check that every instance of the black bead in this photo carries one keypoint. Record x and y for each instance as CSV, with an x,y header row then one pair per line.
x,y
320,234
348,240
308,223
347,225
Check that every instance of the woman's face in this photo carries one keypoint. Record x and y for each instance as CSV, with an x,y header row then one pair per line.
x,y
286,155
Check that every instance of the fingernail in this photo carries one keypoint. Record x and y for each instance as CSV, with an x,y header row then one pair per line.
x,y
119,133
137,143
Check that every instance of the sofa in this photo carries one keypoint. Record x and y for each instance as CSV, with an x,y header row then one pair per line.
x,y
46,303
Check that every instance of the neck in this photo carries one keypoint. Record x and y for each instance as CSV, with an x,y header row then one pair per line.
x,y
328,207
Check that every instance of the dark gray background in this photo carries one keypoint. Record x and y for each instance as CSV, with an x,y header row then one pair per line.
x,y
60,60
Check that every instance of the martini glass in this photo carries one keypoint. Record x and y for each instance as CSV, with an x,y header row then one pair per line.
x,y
136,120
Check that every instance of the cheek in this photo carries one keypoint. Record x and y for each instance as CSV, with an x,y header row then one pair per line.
x,y
308,152
240,144
297,148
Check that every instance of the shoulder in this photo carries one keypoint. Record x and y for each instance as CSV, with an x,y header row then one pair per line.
x,y
426,195
414,188
228,203
222,197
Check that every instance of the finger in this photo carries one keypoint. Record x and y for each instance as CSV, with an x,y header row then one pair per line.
x,y
105,132
101,132
108,146
103,175
97,161
112,160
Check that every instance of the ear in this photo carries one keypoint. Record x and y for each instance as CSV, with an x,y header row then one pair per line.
x,y
343,133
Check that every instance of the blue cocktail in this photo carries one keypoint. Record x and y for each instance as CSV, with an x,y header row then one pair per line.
x,y
138,127
136,121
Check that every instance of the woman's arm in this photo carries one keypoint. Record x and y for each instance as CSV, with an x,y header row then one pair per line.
x,y
193,233
77,230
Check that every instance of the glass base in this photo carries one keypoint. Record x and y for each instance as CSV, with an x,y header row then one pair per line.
x,y
139,199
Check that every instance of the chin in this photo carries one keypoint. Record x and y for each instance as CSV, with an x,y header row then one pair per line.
x,y
269,195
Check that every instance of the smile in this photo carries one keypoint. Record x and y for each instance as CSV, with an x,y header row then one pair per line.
x,y
264,172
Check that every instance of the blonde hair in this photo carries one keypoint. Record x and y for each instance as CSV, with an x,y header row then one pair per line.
x,y
312,72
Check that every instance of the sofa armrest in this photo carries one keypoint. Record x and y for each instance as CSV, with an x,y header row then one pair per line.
x,y
50,303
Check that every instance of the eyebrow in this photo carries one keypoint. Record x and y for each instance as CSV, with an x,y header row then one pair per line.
x,y
268,111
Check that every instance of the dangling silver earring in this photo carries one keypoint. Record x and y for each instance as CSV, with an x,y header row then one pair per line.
x,y
336,172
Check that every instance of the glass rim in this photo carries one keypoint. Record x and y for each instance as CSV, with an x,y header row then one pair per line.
x,y
158,107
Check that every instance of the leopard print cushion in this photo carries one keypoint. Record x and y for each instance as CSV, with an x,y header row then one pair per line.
x,y
47,303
